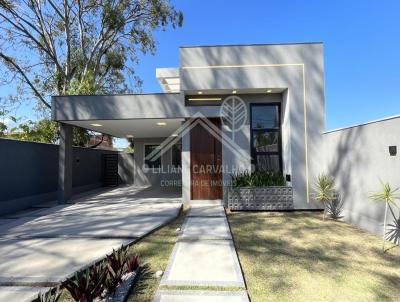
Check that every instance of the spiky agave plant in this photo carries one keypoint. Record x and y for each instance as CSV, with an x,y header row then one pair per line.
x,y
394,229
389,196
324,190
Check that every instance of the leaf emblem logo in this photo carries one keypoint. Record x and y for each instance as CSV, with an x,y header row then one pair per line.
x,y
233,113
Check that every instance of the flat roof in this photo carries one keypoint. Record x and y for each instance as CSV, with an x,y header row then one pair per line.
x,y
363,124
254,44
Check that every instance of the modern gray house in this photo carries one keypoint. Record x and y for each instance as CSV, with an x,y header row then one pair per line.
x,y
281,87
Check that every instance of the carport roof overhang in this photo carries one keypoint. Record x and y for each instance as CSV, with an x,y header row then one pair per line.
x,y
137,115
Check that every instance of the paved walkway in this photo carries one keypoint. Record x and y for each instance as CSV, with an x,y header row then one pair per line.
x,y
44,245
203,256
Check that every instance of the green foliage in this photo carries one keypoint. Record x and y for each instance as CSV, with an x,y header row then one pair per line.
x,y
42,131
324,188
258,178
388,194
79,47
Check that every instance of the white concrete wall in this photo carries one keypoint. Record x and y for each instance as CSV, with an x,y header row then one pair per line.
x,y
357,157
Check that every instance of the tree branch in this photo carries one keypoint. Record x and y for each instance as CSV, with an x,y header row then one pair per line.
x,y
10,61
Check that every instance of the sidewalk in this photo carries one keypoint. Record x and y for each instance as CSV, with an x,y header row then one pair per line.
x,y
203,257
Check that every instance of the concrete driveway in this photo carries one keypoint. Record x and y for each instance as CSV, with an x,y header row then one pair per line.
x,y
41,247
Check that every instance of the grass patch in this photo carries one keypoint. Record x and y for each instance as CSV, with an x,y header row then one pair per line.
x,y
154,252
299,257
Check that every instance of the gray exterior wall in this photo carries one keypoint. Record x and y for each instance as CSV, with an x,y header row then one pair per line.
x,y
296,68
29,173
357,157
167,176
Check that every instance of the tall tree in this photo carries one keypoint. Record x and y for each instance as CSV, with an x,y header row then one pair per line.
x,y
58,47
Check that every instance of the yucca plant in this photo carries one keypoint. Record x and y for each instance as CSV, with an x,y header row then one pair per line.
x,y
389,196
325,190
49,296
394,229
335,207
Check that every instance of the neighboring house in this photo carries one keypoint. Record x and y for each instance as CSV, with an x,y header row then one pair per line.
x,y
282,87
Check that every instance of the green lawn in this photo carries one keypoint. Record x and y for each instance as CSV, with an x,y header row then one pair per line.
x,y
299,257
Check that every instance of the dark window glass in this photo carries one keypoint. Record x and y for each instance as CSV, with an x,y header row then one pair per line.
x,y
153,163
266,137
268,163
264,141
177,155
265,117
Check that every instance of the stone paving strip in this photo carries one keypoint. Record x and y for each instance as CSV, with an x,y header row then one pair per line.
x,y
203,256
206,228
200,296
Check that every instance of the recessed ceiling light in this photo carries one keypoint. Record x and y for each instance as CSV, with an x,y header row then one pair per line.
x,y
234,91
269,91
96,125
199,92
129,136
174,135
161,124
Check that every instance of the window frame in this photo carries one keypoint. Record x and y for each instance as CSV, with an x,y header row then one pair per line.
x,y
278,130
146,166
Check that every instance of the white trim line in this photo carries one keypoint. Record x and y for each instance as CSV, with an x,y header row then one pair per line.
x,y
363,124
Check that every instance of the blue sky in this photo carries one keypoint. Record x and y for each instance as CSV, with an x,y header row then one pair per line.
x,y
361,40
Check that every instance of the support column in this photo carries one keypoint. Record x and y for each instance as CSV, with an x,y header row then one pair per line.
x,y
65,163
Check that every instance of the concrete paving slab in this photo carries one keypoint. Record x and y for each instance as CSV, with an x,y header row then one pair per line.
x,y
122,209
206,210
130,193
200,296
132,226
41,261
20,293
206,228
203,262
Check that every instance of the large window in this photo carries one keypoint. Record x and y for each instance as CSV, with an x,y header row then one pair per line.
x,y
266,137
154,163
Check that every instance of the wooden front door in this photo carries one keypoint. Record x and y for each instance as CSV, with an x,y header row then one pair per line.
x,y
205,163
